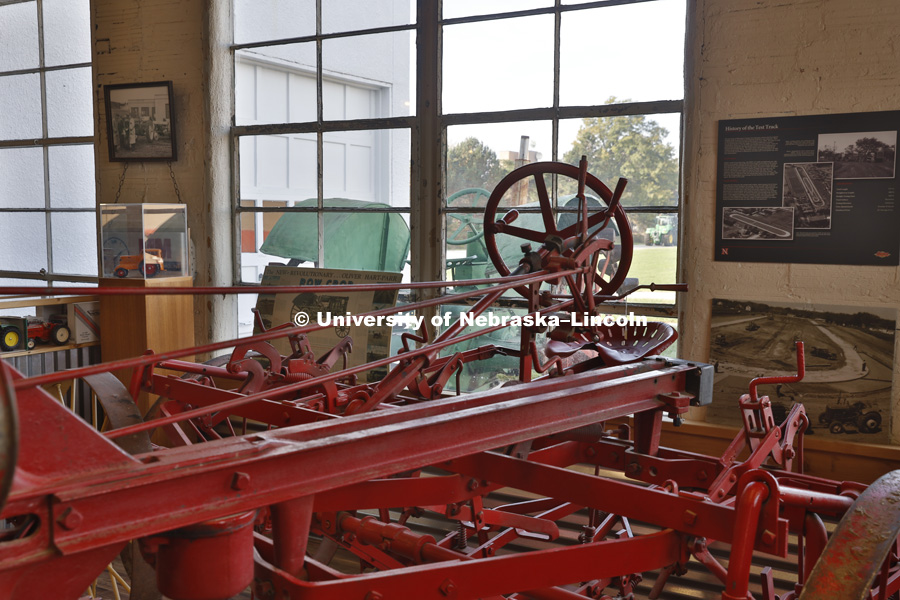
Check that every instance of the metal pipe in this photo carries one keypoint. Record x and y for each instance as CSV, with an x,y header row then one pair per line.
x,y
815,539
746,522
130,363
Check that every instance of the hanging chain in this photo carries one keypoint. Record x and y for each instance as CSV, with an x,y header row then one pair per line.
x,y
174,183
121,183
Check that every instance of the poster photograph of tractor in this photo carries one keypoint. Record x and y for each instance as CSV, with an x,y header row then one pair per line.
x,y
755,223
860,154
808,190
849,364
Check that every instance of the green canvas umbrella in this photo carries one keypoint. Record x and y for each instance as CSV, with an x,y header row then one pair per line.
x,y
362,240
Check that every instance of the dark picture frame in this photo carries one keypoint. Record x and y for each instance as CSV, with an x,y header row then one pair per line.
x,y
140,121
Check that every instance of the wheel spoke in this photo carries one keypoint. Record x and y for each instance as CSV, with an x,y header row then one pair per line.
x,y
537,237
575,227
546,208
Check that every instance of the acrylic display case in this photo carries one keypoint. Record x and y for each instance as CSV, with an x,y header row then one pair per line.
x,y
144,241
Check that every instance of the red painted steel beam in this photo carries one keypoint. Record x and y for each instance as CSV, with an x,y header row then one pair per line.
x,y
130,363
181,486
692,514
472,579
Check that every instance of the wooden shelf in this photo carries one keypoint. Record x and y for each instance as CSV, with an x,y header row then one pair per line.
x,y
831,459
23,301
44,349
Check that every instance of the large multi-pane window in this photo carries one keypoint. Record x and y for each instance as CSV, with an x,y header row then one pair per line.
x,y
336,95
47,193
325,115
602,80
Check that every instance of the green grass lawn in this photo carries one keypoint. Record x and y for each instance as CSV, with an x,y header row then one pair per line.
x,y
654,264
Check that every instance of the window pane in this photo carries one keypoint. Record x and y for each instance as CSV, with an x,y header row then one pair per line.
x,y
367,241
641,148
69,103
656,263
18,24
599,61
368,76
72,176
67,32
352,15
23,242
466,8
276,85
20,107
258,20
520,74
74,237
479,156
22,178
370,166
295,238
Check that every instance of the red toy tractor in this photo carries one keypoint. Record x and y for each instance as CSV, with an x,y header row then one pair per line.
x,y
45,332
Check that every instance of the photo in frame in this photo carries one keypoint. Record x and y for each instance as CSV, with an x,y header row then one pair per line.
x,y
139,121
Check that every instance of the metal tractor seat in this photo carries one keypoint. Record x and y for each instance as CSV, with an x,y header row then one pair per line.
x,y
618,345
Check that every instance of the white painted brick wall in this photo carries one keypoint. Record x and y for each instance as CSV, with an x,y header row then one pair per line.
x,y
758,58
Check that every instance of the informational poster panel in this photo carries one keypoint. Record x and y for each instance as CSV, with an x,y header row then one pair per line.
x,y
849,364
812,189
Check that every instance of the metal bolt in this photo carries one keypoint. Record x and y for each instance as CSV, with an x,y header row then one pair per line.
x,y
373,595
702,476
240,481
690,517
589,451
768,538
448,588
472,485
634,468
526,247
70,519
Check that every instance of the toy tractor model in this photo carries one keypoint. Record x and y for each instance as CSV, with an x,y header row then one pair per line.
x,y
752,326
150,263
664,233
9,338
837,418
47,331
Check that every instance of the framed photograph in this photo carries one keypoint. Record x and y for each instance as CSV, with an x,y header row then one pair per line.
x,y
140,123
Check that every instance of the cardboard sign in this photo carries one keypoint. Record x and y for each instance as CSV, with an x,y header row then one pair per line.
x,y
369,343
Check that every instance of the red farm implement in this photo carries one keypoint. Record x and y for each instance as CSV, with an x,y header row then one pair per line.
x,y
281,471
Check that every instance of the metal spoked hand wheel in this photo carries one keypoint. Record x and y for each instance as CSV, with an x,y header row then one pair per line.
x,y
465,228
569,239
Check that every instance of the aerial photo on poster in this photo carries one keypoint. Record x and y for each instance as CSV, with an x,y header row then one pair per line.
x,y
849,364
860,155
754,223
807,189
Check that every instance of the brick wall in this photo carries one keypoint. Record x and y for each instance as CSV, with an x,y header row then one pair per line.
x,y
758,58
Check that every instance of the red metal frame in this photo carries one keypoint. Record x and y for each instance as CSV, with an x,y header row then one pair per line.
x,y
296,451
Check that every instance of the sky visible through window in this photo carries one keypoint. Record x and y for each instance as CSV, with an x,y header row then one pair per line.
x,y
630,52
